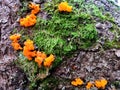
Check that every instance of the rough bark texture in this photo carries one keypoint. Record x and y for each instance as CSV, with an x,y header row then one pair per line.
x,y
11,77
92,65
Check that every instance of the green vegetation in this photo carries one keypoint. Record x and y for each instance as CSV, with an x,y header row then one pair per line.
x,y
115,42
111,44
33,73
49,83
116,84
24,8
63,32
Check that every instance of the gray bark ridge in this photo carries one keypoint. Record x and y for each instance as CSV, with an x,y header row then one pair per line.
x,y
11,77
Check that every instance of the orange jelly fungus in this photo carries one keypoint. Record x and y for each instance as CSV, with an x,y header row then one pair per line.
x,y
40,56
63,6
29,45
39,60
16,46
28,49
77,82
15,37
101,83
89,85
48,61
35,8
29,20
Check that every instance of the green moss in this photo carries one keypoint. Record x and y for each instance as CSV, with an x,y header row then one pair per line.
x,y
64,33
33,72
49,83
23,8
111,44
52,83
116,84
114,43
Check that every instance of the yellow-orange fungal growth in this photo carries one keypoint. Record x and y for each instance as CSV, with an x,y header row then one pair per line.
x,y
39,61
101,83
48,61
29,54
77,82
15,37
28,49
29,45
40,56
89,85
28,21
63,6
35,8
16,46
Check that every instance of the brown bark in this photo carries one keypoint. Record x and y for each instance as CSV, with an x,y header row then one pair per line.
x,y
11,77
